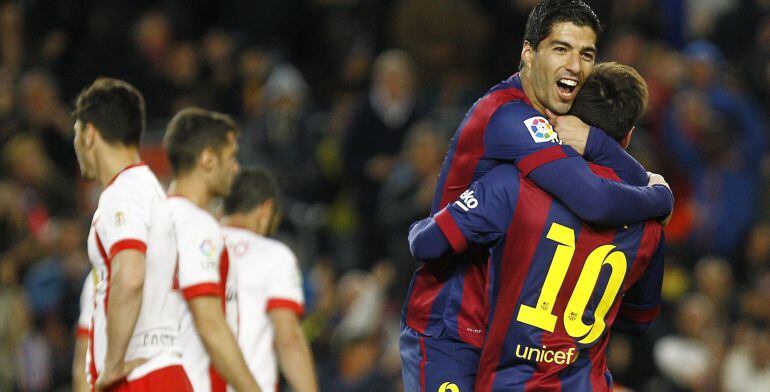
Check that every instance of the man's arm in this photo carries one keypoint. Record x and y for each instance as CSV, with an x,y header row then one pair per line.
x,y
599,200
220,343
294,357
641,303
560,170
480,216
79,383
126,285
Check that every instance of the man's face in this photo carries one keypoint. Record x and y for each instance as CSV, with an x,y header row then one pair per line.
x,y
226,167
83,152
557,69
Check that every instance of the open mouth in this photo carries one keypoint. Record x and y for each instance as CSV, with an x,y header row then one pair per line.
x,y
567,88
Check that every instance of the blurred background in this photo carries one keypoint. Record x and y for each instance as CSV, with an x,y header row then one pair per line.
x,y
351,103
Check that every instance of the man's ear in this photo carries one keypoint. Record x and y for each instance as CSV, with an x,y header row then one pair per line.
x,y
527,51
627,139
89,135
207,158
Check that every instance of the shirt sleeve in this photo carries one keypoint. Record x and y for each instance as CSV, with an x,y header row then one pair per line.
x,y
124,220
641,303
518,134
482,214
201,248
606,151
86,305
284,284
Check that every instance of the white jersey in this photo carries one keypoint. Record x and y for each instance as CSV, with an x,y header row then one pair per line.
x,y
133,214
264,276
203,267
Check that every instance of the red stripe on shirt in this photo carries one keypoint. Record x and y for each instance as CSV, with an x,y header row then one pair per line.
x,y
201,289
451,231
469,149
282,303
604,172
539,158
82,332
531,211
471,320
218,383
130,243
423,361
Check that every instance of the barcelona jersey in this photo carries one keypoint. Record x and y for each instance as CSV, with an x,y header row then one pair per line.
x,y
556,285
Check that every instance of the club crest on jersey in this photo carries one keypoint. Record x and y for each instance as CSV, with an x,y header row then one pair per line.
x,y
541,130
120,219
207,248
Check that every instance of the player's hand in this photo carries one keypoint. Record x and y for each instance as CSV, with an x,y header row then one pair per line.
x,y
112,375
572,131
657,179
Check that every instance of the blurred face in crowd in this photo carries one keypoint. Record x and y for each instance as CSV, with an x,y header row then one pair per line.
x,y
224,166
554,72
394,76
83,142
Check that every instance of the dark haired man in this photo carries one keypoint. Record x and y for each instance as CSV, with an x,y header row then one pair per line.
x,y
133,341
201,147
446,305
265,300
557,283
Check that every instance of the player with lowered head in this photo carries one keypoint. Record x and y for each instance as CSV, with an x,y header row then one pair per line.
x,y
133,341
446,306
201,146
557,283
264,296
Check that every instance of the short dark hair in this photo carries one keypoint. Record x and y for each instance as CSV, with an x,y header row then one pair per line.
x,y
549,12
251,188
193,130
115,108
612,98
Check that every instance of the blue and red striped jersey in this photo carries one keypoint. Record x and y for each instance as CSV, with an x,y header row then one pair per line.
x,y
450,294
556,284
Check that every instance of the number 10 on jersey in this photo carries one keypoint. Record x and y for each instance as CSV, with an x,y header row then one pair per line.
x,y
541,315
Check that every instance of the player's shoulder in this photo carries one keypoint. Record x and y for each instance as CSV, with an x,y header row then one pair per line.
x,y
503,178
133,185
243,242
189,216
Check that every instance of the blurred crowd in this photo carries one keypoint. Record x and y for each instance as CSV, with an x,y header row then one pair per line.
x,y
351,103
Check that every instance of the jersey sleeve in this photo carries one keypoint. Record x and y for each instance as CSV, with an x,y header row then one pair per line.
x,y
284,284
641,303
86,306
482,213
124,220
606,151
201,248
518,134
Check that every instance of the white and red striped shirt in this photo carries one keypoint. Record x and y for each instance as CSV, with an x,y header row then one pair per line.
x,y
263,276
133,213
203,269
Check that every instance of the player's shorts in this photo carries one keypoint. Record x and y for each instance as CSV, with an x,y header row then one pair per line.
x,y
437,363
168,379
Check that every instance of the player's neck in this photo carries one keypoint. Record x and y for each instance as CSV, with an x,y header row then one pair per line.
x,y
111,161
192,188
530,91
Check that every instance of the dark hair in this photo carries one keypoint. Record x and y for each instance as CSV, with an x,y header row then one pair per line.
x,y
612,98
549,12
193,130
115,108
251,188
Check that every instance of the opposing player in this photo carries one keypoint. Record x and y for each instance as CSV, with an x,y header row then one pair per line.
x,y
133,341
79,358
557,283
264,299
201,147
447,302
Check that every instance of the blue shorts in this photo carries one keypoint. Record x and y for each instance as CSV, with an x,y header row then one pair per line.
x,y
437,363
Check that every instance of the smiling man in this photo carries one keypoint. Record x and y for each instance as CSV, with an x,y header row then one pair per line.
x,y
444,317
